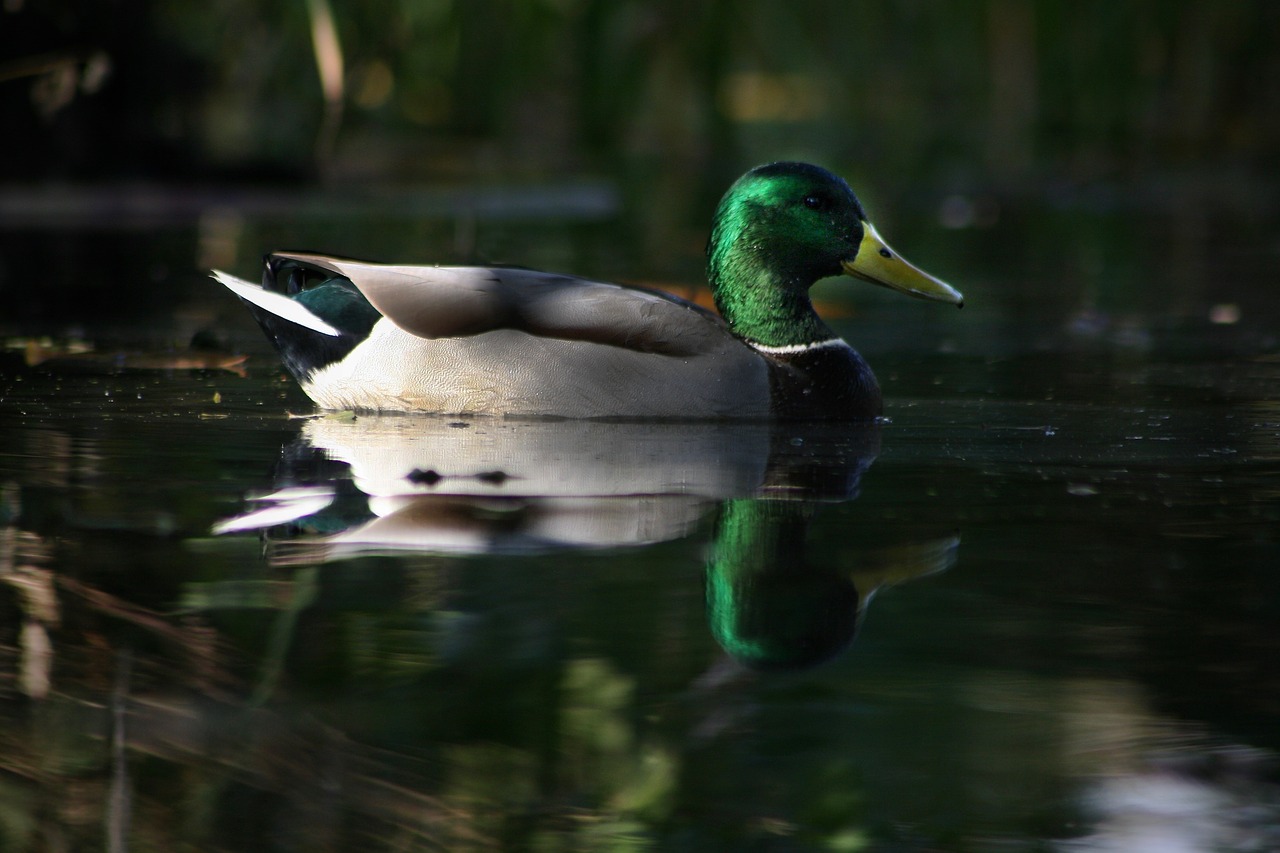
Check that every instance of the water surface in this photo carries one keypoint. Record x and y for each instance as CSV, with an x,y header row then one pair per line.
x,y
1033,610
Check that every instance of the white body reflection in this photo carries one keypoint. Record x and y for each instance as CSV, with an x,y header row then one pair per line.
x,y
489,485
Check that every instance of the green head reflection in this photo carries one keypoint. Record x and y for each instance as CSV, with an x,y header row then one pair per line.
x,y
767,606
772,608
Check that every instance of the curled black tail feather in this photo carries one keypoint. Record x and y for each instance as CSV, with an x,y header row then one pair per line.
x,y
332,298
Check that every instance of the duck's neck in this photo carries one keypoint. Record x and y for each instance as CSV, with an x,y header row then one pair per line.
x,y
762,303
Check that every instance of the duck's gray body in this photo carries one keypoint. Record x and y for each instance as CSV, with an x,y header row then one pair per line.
x,y
514,373
515,342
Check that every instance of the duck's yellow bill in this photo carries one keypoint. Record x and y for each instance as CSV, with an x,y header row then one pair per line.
x,y
878,264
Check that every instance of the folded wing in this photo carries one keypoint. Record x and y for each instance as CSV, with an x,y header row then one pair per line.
x,y
438,302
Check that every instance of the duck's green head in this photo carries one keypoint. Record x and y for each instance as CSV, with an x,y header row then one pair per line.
x,y
780,228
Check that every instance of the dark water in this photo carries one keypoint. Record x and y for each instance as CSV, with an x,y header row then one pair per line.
x,y
1034,610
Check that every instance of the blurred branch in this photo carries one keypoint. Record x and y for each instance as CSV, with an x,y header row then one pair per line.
x,y
58,76
120,796
329,65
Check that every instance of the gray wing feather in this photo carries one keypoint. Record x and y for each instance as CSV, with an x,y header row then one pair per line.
x,y
437,302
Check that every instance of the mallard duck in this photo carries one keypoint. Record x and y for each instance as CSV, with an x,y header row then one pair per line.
x,y
516,342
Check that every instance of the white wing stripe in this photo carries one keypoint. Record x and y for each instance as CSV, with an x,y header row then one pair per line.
x,y
278,304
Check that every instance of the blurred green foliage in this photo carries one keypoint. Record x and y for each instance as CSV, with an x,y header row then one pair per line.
x,y
1001,90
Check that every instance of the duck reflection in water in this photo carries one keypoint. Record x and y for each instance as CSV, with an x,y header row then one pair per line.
x,y
772,608
357,486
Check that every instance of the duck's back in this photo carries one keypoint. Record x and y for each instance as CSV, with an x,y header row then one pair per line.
x,y
516,342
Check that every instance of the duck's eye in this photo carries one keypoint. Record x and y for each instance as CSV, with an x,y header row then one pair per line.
x,y
815,202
